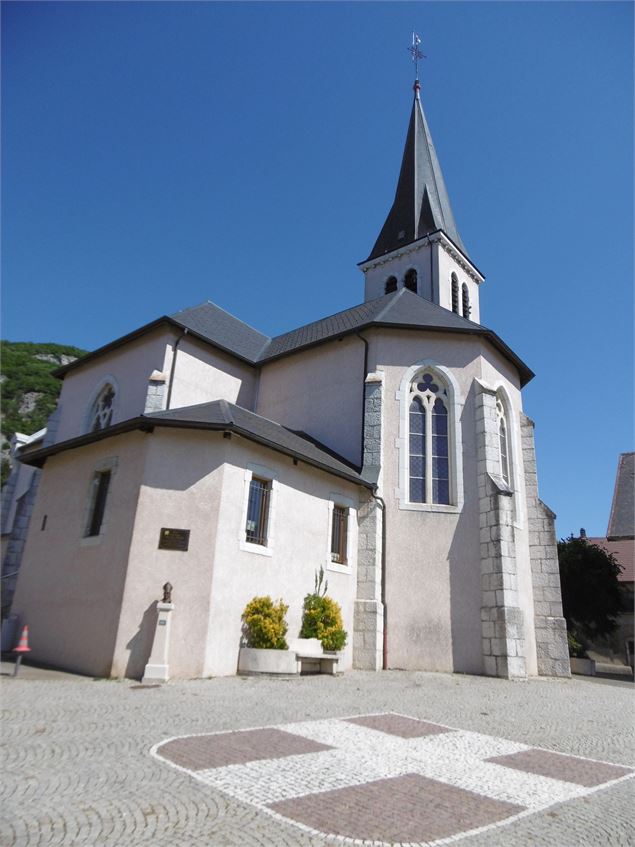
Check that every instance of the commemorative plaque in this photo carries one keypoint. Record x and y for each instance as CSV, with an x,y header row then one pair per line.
x,y
174,539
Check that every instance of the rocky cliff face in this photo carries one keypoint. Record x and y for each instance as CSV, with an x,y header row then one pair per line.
x,y
29,391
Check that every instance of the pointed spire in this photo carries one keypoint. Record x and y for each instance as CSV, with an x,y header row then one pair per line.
x,y
421,203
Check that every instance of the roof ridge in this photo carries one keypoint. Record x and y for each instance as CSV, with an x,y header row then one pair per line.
x,y
225,311
329,317
224,405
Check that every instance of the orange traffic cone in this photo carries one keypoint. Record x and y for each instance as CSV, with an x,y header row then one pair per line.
x,y
23,647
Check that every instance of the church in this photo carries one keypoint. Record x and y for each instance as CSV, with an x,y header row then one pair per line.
x,y
386,444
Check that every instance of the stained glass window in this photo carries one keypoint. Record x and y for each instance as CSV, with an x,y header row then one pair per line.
x,y
101,414
429,457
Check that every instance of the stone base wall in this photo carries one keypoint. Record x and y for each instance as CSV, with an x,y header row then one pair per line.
x,y
551,630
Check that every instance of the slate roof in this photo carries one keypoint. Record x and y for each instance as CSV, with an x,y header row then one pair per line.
x,y
401,309
219,415
215,324
622,517
421,205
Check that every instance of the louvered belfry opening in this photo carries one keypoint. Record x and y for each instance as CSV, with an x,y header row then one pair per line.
x,y
339,534
258,511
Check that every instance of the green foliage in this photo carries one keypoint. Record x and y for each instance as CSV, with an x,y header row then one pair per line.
x,y
22,374
591,596
576,650
264,623
322,617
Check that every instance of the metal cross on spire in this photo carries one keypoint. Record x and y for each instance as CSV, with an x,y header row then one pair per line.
x,y
416,53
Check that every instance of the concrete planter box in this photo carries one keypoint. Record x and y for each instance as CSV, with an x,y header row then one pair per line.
x,y
254,660
584,667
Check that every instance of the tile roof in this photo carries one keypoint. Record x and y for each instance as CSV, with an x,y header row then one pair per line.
x,y
624,552
622,517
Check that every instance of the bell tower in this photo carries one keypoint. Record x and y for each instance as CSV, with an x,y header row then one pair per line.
x,y
419,246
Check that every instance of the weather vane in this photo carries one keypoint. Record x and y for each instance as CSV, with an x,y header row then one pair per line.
x,y
416,53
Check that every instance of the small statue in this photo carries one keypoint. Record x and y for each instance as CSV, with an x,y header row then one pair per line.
x,y
167,593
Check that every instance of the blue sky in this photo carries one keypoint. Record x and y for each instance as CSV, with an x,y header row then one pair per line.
x,y
156,155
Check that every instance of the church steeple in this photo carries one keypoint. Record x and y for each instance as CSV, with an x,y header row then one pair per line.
x,y
421,203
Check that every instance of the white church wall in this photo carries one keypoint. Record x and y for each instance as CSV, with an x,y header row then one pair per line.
x,y
433,562
203,373
129,366
319,391
180,489
70,587
300,525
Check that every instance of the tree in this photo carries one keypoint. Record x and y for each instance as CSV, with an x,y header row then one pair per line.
x,y
591,597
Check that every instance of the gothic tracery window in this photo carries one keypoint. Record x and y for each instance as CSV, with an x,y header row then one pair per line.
x,y
429,462
102,409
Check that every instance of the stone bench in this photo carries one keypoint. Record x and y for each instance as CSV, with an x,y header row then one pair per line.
x,y
310,663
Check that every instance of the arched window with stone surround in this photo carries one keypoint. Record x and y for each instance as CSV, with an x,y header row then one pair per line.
x,y
428,440
466,301
391,285
455,294
101,411
503,441
410,280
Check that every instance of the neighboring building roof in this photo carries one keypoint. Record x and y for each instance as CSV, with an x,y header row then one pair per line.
x,y
624,552
421,205
219,415
399,310
622,517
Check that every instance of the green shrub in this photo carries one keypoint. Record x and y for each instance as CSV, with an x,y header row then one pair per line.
x,y
576,649
322,617
264,623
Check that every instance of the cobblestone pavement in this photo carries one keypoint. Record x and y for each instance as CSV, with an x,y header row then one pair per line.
x,y
78,767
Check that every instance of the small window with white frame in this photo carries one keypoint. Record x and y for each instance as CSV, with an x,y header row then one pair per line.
x,y
257,523
339,535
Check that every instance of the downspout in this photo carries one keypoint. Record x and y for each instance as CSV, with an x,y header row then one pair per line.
x,y
173,366
382,506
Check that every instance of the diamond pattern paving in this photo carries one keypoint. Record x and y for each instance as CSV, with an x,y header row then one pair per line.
x,y
558,766
406,808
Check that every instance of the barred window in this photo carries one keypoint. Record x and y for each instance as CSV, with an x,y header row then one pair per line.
x,y
455,294
339,535
98,497
391,284
258,511
429,458
410,280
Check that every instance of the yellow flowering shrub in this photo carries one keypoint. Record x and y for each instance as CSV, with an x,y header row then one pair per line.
x,y
264,623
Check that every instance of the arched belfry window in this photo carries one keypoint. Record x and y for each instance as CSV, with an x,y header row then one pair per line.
x,y
455,294
466,301
410,280
101,411
428,439
391,285
503,440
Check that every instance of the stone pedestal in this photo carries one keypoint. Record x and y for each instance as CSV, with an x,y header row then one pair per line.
x,y
157,669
